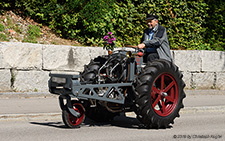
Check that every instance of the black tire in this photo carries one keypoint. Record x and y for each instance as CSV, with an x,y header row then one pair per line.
x,y
159,94
90,70
98,113
70,120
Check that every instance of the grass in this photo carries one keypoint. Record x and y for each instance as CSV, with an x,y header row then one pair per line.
x,y
3,37
32,34
2,28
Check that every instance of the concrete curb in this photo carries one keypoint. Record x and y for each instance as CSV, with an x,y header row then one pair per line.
x,y
58,116
205,109
29,117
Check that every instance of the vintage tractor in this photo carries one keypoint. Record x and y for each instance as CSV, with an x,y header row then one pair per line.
x,y
121,82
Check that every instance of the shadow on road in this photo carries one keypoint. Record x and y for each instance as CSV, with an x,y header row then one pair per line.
x,y
119,121
51,124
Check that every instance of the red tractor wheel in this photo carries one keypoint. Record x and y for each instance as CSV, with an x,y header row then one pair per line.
x,y
72,121
159,94
164,97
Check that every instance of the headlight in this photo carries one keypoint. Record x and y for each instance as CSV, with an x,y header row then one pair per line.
x,y
58,80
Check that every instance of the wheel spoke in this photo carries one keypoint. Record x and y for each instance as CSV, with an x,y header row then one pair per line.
x,y
171,96
163,106
169,86
162,82
155,90
153,94
156,101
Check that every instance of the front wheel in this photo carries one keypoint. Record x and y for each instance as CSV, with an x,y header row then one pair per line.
x,y
70,120
159,94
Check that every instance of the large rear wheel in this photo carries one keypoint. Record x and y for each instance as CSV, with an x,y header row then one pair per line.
x,y
159,94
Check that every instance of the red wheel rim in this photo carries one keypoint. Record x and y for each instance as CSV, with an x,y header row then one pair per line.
x,y
77,120
164,94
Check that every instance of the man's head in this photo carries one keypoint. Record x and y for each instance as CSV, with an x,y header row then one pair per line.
x,y
152,20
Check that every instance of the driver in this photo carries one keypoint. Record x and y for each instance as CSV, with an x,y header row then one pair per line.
x,y
155,41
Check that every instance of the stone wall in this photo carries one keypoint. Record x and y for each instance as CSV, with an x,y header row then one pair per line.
x,y
201,69
26,67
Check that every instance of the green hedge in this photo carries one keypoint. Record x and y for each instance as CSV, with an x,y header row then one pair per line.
x,y
190,24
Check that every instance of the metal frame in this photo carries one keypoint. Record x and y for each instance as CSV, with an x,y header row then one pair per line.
x,y
75,89
78,91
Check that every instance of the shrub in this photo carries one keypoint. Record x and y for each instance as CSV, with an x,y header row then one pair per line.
x,y
190,24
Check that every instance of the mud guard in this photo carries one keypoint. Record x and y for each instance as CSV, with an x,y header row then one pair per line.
x,y
68,105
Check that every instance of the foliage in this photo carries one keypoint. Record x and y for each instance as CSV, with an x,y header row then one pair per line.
x,y
32,34
3,37
2,28
215,24
190,24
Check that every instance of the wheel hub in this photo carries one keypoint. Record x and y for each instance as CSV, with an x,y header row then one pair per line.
x,y
164,94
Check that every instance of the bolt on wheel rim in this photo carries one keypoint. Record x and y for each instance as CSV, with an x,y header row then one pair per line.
x,y
164,94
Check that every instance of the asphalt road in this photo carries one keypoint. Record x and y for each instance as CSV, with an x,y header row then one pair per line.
x,y
198,126
38,117
34,104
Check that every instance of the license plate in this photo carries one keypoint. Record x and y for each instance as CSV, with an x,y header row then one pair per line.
x,y
58,80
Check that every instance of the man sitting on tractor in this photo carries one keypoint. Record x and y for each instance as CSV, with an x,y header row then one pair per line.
x,y
155,41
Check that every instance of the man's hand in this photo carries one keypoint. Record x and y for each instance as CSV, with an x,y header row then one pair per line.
x,y
141,46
